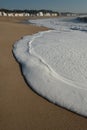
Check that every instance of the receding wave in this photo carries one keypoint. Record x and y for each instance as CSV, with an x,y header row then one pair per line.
x,y
54,63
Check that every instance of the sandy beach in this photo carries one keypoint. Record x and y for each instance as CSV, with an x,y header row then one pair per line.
x,y
20,107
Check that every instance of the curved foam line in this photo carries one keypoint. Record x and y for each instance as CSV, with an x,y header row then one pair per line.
x,y
52,72
76,102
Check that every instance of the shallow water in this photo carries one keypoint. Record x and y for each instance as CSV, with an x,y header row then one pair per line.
x,y
54,62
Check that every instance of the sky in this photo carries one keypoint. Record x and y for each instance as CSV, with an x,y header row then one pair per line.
x,y
78,6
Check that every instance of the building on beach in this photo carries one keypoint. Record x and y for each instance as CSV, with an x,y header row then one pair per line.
x,y
21,13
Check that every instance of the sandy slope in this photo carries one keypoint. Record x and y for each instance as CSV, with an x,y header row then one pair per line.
x,y
20,107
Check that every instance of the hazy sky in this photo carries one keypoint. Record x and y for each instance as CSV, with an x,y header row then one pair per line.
x,y
58,5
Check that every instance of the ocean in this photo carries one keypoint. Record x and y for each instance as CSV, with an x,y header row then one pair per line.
x,y
54,62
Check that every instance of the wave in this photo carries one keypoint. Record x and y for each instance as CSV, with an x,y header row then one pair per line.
x,y
54,64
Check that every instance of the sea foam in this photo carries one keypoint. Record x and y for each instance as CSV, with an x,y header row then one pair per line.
x,y
54,62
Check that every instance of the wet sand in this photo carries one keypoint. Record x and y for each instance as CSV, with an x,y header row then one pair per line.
x,y
20,107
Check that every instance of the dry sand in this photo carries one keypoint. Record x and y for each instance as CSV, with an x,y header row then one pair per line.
x,y
20,107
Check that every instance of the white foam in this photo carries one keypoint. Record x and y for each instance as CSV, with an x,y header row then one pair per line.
x,y
54,63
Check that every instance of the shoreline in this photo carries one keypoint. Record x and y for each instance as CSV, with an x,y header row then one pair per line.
x,y
21,108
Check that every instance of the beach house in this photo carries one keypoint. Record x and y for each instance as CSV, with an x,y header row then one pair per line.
x,y
4,14
40,14
0,13
21,13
